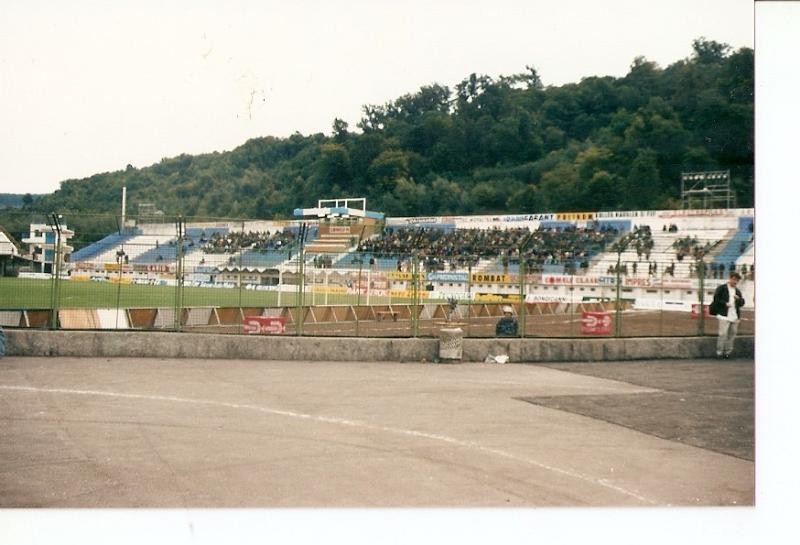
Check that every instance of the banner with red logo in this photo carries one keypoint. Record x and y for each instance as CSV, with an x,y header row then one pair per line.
x,y
595,323
264,325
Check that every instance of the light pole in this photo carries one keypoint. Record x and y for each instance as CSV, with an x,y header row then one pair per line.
x,y
301,280
360,269
523,309
56,270
181,232
120,260
620,246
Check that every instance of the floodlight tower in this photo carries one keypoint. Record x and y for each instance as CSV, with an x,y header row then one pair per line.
x,y
709,189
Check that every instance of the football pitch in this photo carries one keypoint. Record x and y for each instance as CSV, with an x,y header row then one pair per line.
x,y
25,293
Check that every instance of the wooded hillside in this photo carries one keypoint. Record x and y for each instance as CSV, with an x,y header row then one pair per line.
x,y
490,144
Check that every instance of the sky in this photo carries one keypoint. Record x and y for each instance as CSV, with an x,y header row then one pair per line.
x,y
92,86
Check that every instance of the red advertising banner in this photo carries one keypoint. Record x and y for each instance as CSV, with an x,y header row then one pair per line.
x,y
705,310
264,325
595,323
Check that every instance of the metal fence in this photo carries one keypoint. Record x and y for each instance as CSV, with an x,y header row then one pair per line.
x,y
276,278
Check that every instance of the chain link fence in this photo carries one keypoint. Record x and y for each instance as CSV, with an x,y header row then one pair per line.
x,y
249,277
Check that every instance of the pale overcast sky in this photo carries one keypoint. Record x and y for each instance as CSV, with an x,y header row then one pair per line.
x,y
91,86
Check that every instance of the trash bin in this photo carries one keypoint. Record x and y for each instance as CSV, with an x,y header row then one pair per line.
x,y
451,343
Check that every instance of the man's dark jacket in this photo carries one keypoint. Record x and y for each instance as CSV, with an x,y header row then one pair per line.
x,y
719,305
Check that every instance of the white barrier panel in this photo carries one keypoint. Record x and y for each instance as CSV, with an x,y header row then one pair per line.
x,y
10,318
112,318
198,316
659,304
165,317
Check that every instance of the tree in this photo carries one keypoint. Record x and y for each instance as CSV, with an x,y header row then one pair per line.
x,y
643,181
487,197
604,191
525,199
559,190
594,158
262,210
388,167
446,195
340,130
333,166
643,76
411,198
709,51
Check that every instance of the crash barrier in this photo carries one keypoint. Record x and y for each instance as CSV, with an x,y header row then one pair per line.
x,y
139,344
234,317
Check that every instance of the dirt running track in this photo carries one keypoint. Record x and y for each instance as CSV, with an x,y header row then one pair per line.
x,y
180,433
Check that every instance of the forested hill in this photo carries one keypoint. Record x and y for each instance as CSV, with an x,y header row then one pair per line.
x,y
491,144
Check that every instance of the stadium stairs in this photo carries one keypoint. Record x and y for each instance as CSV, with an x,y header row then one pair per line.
x,y
663,253
102,246
739,242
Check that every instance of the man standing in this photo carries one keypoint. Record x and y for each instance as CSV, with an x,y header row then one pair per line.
x,y
725,306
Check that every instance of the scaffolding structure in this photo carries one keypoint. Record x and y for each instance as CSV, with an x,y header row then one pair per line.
x,y
709,189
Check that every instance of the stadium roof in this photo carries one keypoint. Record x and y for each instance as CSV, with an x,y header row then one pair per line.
x,y
327,208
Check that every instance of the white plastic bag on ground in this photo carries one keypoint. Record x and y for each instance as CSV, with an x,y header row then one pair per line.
x,y
501,358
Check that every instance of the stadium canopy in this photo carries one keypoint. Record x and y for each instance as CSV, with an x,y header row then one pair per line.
x,y
331,208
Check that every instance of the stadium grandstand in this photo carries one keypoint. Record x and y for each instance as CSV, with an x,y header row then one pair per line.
x,y
663,248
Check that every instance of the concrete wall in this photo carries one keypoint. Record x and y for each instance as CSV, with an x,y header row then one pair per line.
x,y
26,342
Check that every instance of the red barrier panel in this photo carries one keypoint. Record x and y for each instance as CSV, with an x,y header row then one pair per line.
x,y
705,310
264,325
595,323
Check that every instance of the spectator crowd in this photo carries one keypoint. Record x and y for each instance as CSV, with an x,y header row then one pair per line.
x,y
235,241
460,248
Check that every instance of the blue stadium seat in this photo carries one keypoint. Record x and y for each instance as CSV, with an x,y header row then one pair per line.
x,y
165,252
103,245
733,249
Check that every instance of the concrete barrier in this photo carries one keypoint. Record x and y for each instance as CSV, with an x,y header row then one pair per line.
x,y
28,342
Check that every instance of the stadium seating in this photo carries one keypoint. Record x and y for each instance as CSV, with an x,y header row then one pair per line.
x,y
102,246
482,245
737,244
264,258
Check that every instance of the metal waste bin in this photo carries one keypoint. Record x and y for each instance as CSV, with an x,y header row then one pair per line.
x,y
451,343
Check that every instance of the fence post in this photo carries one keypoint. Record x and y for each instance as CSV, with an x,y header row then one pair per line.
x,y
181,226
280,285
701,274
241,267
301,279
469,296
414,295
522,307
661,308
55,287
358,289
618,302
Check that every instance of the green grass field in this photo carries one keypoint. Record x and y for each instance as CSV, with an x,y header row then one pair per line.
x,y
25,293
